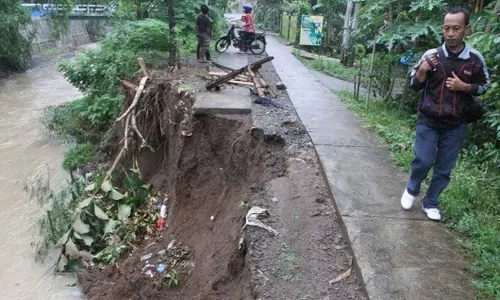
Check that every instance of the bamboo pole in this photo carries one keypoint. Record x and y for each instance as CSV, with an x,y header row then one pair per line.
x,y
370,74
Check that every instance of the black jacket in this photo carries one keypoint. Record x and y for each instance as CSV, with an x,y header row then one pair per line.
x,y
439,104
204,25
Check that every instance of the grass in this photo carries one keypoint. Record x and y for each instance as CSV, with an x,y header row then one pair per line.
x,y
329,66
77,155
470,203
289,261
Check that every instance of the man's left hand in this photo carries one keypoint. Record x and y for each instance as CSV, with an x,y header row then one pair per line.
x,y
455,84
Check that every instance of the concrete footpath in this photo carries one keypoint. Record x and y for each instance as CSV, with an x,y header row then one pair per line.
x,y
401,254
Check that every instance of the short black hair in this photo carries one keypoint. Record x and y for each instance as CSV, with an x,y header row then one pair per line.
x,y
204,9
457,10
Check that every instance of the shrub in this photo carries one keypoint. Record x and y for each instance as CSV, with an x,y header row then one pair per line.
x,y
76,156
15,49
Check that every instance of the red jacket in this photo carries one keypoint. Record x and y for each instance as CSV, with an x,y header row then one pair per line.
x,y
249,25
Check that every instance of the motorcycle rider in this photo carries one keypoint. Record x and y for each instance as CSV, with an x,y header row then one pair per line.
x,y
248,26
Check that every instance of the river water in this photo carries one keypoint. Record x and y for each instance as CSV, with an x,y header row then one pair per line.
x,y
23,150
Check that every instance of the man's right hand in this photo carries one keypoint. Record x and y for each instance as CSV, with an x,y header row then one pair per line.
x,y
425,66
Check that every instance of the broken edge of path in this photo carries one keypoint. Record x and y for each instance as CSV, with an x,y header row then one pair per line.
x,y
401,255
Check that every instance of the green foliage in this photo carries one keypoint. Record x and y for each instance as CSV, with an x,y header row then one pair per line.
x,y
15,49
91,220
172,277
77,155
332,67
486,39
97,74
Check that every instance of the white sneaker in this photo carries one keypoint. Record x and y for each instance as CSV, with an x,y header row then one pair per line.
x,y
432,213
407,200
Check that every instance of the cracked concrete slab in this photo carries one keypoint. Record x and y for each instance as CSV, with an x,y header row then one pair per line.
x,y
401,255
409,258
365,182
226,101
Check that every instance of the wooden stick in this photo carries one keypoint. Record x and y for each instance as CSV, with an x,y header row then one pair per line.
x,y
237,72
129,85
134,126
370,73
127,122
259,89
240,82
219,74
141,62
115,163
268,87
136,99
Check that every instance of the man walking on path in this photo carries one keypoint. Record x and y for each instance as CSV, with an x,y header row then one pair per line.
x,y
450,76
204,26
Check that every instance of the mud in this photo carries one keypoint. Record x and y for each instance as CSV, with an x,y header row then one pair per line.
x,y
312,248
207,178
212,178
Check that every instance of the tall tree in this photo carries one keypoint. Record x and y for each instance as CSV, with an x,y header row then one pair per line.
x,y
171,24
344,48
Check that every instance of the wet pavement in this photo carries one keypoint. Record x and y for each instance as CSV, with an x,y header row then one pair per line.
x,y
401,254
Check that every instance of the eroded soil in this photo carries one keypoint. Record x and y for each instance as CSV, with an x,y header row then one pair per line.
x,y
212,178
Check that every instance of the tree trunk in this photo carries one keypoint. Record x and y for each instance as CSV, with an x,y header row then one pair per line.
x,y
171,25
357,8
344,49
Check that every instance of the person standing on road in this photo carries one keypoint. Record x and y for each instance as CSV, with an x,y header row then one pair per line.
x,y
248,28
204,26
450,76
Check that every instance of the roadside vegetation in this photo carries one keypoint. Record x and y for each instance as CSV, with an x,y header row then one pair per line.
x,y
95,216
15,49
391,36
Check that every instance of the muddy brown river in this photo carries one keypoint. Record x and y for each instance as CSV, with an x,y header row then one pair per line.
x,y
23,151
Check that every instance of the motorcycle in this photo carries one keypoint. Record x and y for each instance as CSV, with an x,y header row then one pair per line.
x,y
256,44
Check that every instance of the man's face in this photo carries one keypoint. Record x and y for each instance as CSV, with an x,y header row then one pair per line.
x,y
454,29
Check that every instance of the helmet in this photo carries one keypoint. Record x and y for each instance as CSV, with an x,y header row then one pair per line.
x,y
247,8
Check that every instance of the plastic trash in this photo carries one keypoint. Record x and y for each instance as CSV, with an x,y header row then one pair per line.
x,y
161,268
146,256
160,223
252,219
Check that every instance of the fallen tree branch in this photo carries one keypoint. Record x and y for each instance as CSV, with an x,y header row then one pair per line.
x,y
142,84
134,126
127,122
130,115
144,70
233,74
129,85
115,163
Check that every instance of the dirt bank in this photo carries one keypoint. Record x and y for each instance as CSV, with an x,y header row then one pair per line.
x,y
212,178
207,177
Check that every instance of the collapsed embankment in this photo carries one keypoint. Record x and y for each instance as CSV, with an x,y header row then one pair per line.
x,y
208,178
